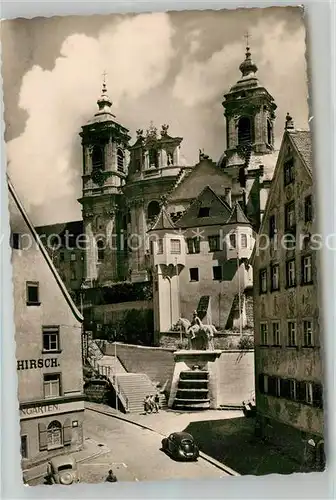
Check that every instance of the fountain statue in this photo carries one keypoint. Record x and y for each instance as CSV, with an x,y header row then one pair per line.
x,y
199,336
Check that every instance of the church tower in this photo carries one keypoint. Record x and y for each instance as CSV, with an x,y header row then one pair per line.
x,y
153,169
104,145
249,111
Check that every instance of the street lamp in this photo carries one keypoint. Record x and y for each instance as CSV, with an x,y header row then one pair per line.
x,y
239,284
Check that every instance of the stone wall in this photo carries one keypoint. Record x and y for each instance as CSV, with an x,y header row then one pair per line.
x,y
236,369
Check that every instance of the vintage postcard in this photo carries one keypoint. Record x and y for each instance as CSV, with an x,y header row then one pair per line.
x,y
164,245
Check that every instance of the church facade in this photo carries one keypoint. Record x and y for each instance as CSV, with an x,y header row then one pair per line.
x,y
187,229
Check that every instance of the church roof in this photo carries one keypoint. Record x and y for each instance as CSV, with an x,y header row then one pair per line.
x,y
163,221
207,209
303,144
237,216
43,250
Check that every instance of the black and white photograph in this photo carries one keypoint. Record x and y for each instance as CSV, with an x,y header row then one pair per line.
x,y
164,245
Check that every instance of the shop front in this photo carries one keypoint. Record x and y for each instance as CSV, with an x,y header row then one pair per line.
x,y
50,428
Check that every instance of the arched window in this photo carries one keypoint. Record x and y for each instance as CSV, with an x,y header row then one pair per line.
x,y
97,158
54,435
244,130
153,158
269,133
153,209
101,250
120,160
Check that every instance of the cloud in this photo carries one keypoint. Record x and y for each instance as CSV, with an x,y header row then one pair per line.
x,y
280,56
135,52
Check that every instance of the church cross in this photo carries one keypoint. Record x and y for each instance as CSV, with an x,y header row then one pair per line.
x,y
247,36
104,76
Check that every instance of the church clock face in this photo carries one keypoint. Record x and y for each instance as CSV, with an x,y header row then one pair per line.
x,y
98,177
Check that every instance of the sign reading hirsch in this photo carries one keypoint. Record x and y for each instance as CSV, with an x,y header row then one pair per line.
x,y
30,364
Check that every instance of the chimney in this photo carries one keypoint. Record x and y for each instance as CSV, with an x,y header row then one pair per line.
x,y
228,196
289,122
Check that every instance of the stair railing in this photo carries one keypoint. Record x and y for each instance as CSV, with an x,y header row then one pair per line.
x,y
120,392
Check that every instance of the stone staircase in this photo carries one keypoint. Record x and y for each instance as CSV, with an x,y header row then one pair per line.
x,y
132,389
192,390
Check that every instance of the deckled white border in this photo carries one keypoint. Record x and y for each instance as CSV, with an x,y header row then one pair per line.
x,y
321,29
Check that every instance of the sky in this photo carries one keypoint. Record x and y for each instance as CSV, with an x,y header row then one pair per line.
x,y
169,68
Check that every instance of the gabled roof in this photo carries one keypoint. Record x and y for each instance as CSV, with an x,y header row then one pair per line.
x,y
237,216
163,221
301,140
219,211
44,252
73,229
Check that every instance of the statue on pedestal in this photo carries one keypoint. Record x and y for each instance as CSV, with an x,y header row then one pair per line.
x,y
199,336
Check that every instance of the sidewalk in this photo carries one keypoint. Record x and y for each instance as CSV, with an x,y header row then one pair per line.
x,y
91,450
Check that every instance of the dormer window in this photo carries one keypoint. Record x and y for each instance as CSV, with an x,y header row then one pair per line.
x,y
204,212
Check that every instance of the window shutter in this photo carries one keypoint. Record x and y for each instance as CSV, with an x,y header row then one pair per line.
x,y
261,383
301,392
317,396
43,441
67,432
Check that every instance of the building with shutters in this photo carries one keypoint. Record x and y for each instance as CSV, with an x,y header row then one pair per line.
x,y
287,317
48,335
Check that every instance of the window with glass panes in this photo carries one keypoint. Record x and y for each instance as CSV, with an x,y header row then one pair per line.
x,y
263,334
175,246
50,338
54,435
243,240
306,269
214,243
262,281
307,333
160,246
291,329
290,273
276,332
233,240
275,277
32,293
290,219
52,385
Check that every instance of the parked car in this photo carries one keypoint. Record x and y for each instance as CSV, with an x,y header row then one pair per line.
x,y
62,470
181,445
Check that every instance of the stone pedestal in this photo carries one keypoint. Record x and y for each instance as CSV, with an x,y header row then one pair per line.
x,y
196,362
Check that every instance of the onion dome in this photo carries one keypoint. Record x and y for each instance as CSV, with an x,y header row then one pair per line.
x,y
247,67
104,102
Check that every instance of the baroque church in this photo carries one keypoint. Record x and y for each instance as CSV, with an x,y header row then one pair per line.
x,y
186,231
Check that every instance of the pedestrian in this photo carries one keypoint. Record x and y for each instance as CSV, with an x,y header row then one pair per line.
x,y
147,405
152,403
111,478
157,402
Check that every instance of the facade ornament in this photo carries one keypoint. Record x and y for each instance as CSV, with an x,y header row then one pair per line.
x,y
139,133
151,131
164,129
